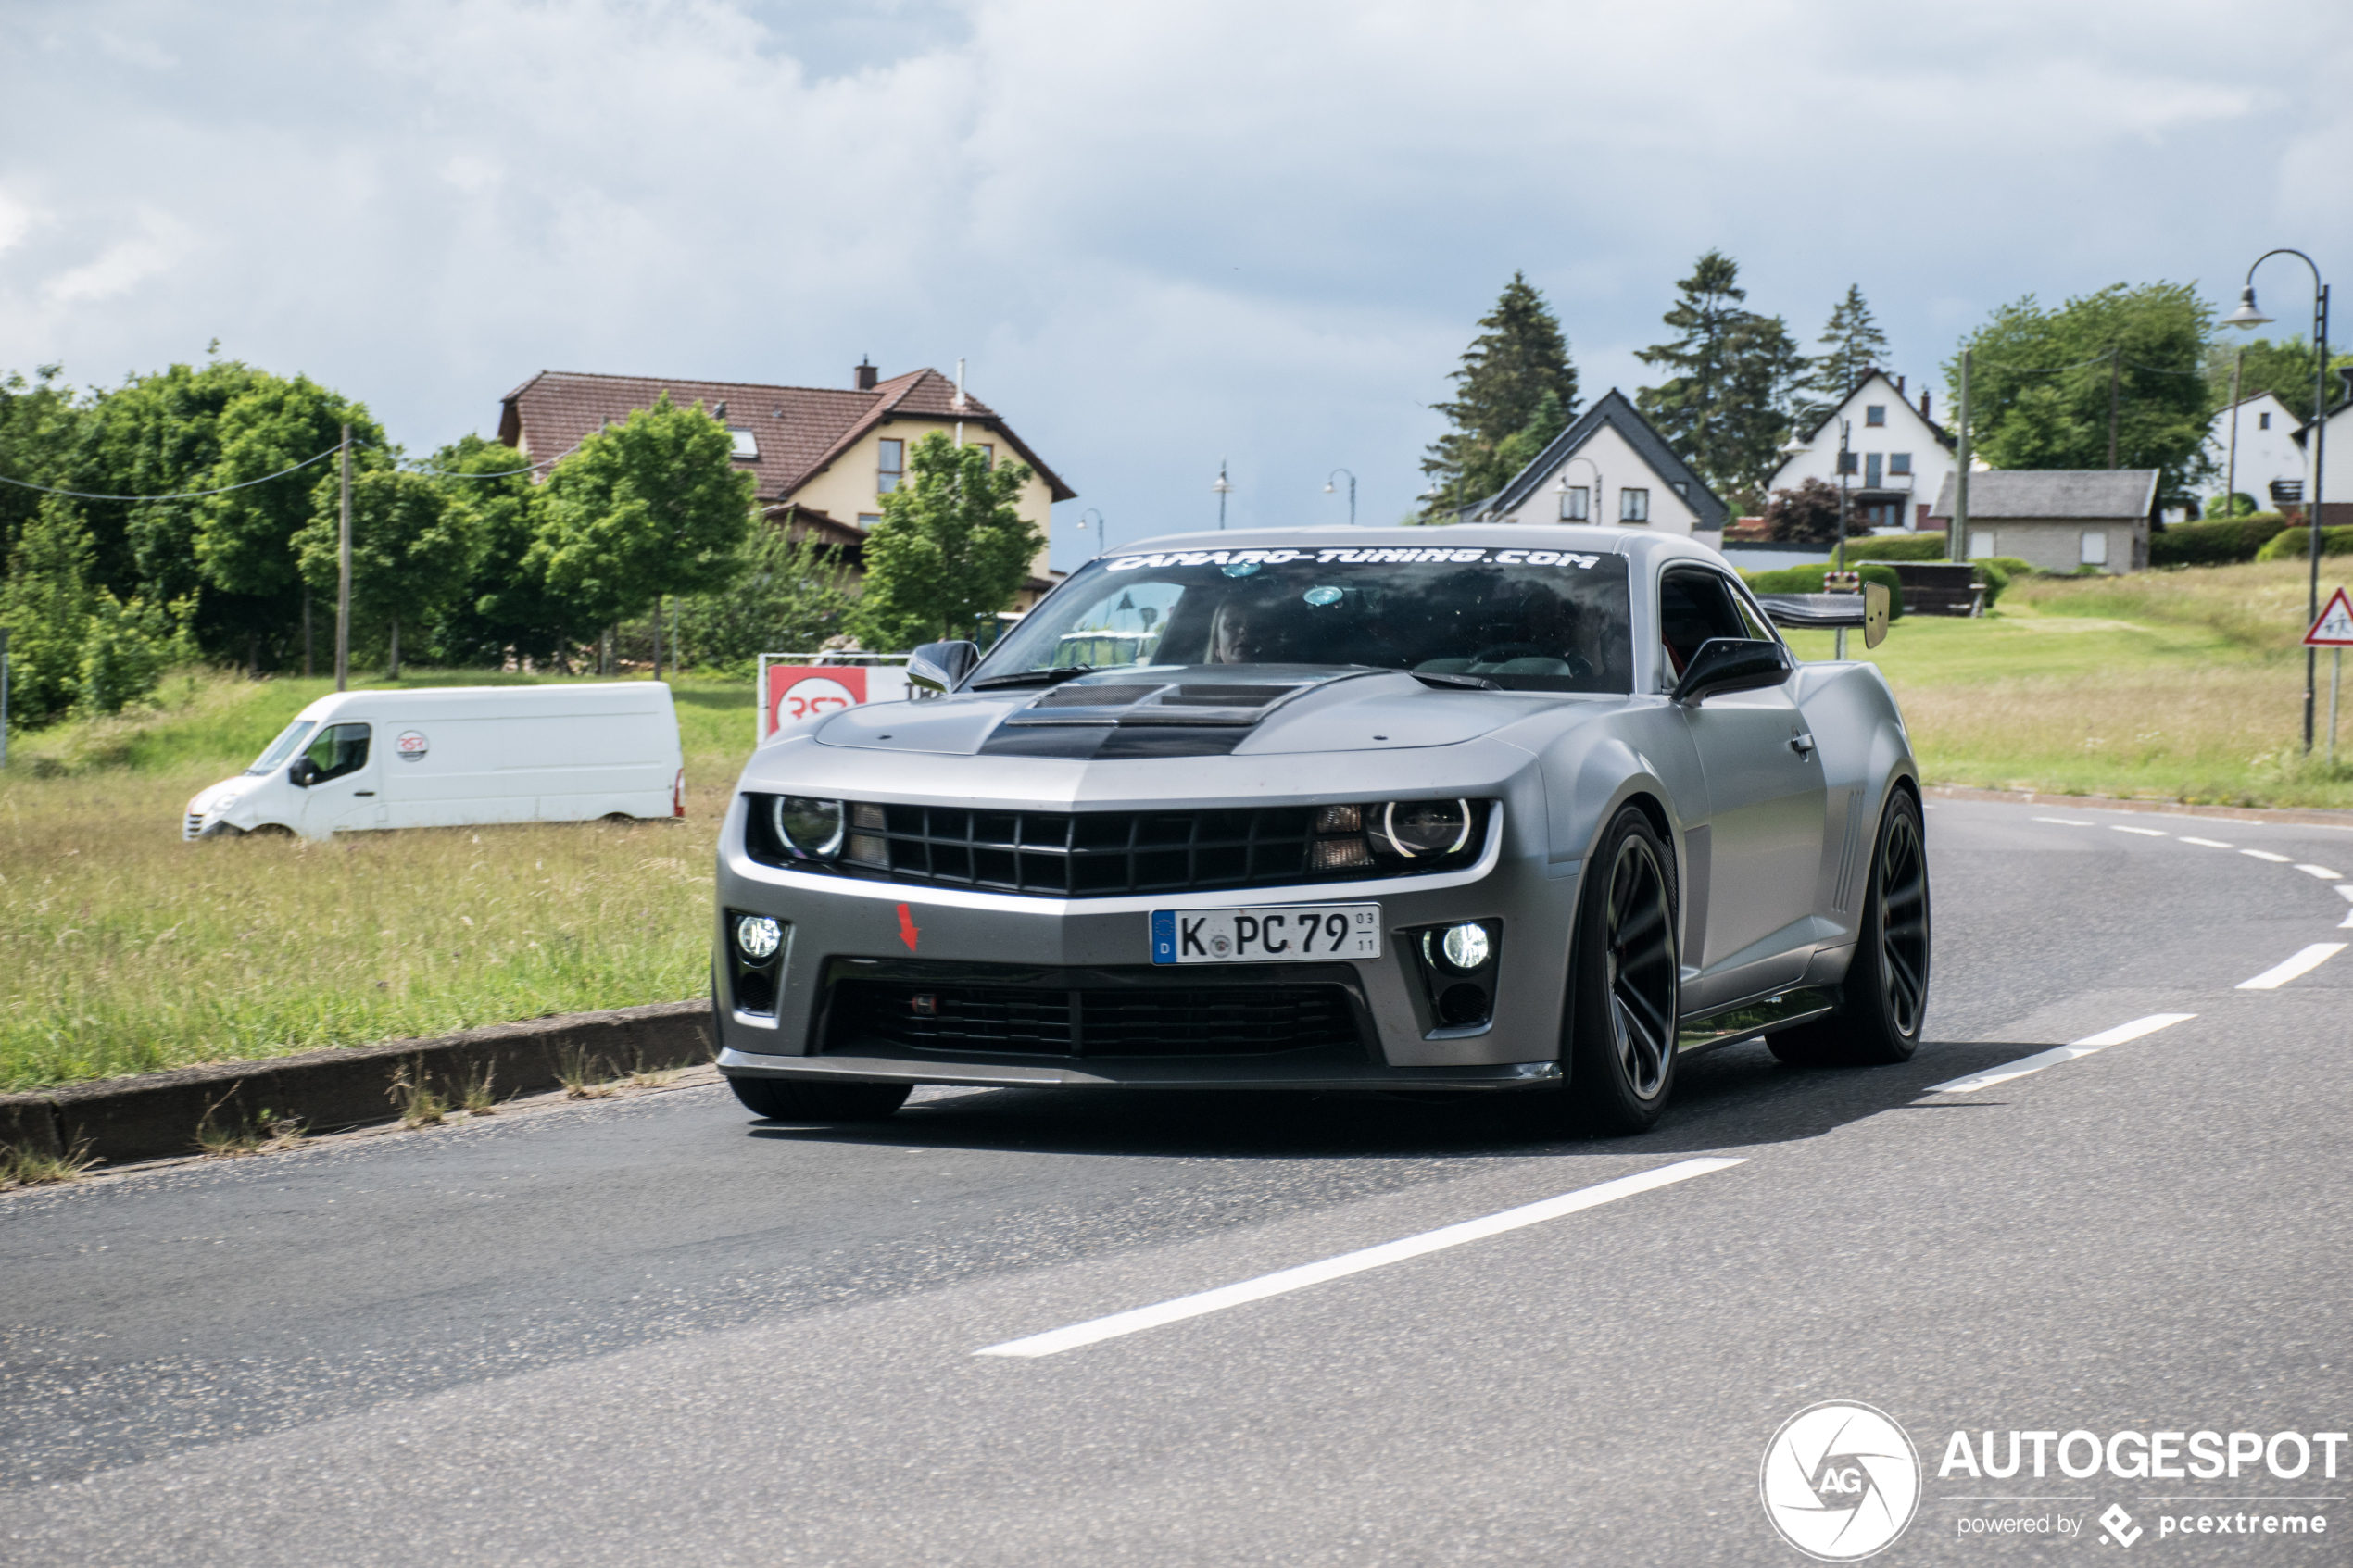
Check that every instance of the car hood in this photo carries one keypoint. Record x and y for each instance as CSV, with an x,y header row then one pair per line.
x,y
1189,711
208,799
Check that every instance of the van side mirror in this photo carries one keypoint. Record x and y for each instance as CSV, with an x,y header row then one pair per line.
x,y
1732,664
937,669
302,773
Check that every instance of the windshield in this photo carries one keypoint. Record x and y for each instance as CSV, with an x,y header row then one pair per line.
x,y
1543,621
281,750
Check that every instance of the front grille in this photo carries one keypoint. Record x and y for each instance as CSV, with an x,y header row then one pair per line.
x,y
1092,1021
1102,854
196,826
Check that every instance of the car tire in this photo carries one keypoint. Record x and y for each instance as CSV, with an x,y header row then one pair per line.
x,y
1884,999
1625,981
779,1099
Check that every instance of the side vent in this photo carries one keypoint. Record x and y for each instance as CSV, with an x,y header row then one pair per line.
x,y
1843,900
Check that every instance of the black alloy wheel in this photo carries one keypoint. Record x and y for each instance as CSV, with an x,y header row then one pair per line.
x,y
1627,981
1884,1000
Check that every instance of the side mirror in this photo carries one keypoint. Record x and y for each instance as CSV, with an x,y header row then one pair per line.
x,y
1732,664
303,773
937,669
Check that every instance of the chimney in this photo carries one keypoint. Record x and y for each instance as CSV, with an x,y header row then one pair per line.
x,y
866,374
1899,386
1924,413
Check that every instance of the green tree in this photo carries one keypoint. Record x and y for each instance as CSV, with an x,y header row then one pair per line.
x,y
506,603
2040,384
1725,407
125,649
652,506
949,549
411,553
789,595
44,608
1852,343
40,423
1516,387
2283,369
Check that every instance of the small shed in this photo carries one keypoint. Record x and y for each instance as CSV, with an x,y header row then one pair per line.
x,y
2058,519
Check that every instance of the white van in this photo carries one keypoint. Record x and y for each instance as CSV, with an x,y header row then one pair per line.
x,y
458,757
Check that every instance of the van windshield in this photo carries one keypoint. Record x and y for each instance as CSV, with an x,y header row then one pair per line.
x,y
1526,620
281,750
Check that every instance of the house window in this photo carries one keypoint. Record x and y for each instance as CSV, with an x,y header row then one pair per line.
x,y
988,452
1633,505
890,466
2263,421
1576,504
868,519
1875,414
2096,546
1899,462
1870,470
746,443
1980,544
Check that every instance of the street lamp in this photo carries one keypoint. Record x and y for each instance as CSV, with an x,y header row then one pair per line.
x,y
1351,493
1593,512
1103,529
2248,315
1223,490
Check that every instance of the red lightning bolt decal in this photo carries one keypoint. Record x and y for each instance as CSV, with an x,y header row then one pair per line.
x,y
907,932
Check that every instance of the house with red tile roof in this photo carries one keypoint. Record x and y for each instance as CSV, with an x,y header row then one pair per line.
x,y
821,458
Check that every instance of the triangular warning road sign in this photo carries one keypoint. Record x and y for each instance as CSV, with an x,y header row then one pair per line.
x,y
2334,628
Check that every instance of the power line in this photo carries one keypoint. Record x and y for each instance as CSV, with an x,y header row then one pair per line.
x,y
177,496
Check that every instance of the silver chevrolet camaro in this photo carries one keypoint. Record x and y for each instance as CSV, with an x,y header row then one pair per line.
x,y
1541,810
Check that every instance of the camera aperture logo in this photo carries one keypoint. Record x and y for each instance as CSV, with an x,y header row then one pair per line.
x,y
1840,1481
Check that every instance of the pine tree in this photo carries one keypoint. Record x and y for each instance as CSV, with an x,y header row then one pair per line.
x,y
1517,380
1725,409
1853,344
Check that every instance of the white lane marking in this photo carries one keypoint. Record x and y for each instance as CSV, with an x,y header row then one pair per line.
x,y
1347,1263
2067,822
2304,962
2087,1045
2322,872
2145,833
2210,843
2267,855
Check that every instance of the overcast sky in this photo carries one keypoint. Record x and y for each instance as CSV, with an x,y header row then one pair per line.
x,y
1160,235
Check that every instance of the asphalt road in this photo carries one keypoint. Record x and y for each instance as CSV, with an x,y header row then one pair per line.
x,y
659,1331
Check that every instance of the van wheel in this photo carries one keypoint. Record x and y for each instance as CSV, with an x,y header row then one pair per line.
x,y
267,830
780,1099
616,816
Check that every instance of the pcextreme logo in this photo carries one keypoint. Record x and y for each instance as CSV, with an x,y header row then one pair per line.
x,y
1840,1481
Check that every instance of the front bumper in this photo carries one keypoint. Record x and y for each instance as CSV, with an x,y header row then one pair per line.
x,y
836,925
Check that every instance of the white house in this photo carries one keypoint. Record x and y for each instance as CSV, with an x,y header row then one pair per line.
x,y
1609,466
2265,430
2336,460
1902,455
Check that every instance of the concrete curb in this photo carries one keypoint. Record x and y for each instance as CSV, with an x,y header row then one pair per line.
x,y
2310,816
157,1115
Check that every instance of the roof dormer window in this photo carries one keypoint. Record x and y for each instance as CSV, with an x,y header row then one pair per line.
x,y
746,443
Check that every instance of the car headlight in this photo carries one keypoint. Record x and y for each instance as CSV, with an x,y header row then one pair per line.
x,y
1414,828
222,803
809,828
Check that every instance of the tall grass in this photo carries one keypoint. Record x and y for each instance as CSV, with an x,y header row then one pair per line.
x,y
123,949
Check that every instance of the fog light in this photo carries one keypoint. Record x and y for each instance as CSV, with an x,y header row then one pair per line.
x,y
1465,946
758,937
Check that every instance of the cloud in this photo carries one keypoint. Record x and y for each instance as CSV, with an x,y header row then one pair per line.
x,y
1162,234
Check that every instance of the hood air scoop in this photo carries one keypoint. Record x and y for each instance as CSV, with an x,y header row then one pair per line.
x,y
1175,702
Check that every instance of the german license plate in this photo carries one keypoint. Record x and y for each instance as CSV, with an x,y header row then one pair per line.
x,y
1279,934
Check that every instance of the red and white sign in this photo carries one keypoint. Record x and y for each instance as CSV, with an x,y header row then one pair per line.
x,y
810,691
2334,628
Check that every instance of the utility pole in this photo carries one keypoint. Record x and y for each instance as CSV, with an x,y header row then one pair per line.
x,y
1223,489
342,574
2114,389
3,697
307,660
1957,546
2231,470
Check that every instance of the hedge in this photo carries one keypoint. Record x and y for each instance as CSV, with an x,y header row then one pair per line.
x,y
1808,580
1897,546
2295,543
2215,543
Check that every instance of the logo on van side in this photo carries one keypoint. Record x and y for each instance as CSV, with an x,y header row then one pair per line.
x,y
411,746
